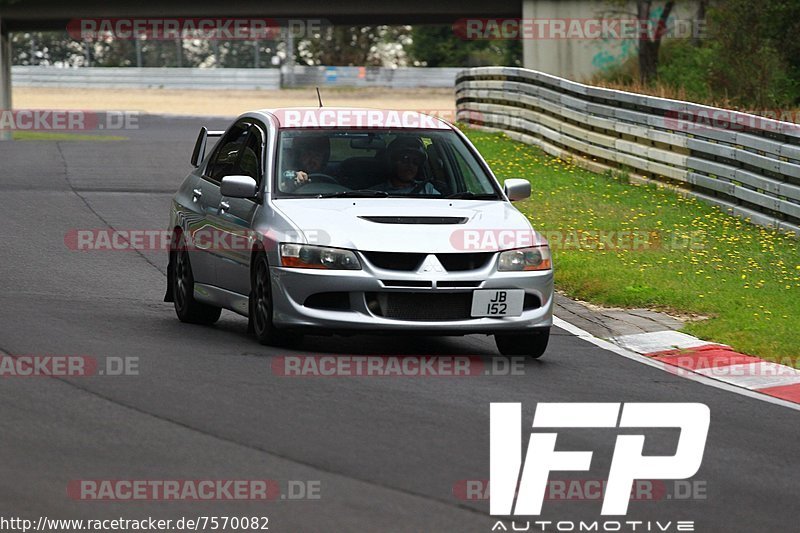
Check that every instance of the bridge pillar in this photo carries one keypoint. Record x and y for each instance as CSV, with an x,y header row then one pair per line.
x,y
566,58
5,75
579,59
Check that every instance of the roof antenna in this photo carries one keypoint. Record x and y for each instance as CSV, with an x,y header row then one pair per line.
x,y
319,97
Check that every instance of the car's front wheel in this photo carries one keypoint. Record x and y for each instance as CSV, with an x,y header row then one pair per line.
x,y
529,344
186,307
261,307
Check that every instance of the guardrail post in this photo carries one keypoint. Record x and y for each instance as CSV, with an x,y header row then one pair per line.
x,y
138,42
290,82
179,51
5,75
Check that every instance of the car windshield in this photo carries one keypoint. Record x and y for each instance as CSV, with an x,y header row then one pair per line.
x,y
340,162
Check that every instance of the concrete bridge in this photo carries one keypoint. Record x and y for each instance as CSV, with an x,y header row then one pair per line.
x,y
568,57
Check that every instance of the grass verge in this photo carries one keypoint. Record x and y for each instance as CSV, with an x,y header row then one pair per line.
x,y
626,245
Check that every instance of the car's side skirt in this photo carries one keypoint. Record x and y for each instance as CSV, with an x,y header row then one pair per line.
x,y
210,294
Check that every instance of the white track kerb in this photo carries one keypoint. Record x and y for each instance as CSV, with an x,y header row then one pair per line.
x,y
710,364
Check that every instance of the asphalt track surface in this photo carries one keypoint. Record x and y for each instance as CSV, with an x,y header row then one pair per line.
x,y
206,405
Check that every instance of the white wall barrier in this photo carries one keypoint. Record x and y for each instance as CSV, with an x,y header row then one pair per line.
x,y
146,77
232,78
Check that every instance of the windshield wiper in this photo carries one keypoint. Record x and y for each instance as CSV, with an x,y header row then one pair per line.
x,y
365,193
472,196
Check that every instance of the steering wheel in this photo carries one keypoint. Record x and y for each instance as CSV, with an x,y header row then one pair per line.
x,y
420,186
324,178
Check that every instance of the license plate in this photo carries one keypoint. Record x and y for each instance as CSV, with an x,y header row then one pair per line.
x,y
503,302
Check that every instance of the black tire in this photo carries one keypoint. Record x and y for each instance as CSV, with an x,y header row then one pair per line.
x,y
187,308
530,344
260,321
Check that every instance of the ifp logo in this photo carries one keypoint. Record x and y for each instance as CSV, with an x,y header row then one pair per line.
x,y
627,463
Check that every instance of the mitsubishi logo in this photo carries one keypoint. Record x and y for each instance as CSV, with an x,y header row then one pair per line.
x,y
431,264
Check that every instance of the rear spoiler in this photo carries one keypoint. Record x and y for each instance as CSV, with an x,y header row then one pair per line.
x,y
199,152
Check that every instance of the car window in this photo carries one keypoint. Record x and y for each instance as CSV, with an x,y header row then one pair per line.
x,y
225,159
249,162
469,174
404,162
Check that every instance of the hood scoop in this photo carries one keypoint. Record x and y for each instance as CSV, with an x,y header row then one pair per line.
x,y
416,220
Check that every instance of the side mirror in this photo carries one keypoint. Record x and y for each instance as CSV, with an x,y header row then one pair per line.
x,y
238,187
517,189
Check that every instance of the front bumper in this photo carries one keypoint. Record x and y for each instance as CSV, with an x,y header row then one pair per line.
x,y
291,287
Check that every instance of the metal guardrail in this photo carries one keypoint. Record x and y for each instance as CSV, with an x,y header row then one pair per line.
x,y
232,78
142,78
747,165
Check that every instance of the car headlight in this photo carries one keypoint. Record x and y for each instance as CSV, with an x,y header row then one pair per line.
x,y
307,256
533,258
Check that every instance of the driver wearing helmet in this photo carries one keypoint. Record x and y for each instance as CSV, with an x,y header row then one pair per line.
x,y
311,155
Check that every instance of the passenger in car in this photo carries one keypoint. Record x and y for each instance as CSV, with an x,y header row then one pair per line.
x,y
407,156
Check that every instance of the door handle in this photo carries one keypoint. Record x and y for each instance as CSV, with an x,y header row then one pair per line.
x,y
197,194
224,206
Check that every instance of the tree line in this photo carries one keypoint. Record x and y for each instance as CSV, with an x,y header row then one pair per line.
x,y
388,46
748,56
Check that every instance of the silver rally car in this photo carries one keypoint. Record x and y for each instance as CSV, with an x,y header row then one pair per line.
x,y
346,220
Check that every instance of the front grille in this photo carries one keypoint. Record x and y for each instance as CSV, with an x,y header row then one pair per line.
x,y
394,260
421,307
468,261
451,284
412,261
406,283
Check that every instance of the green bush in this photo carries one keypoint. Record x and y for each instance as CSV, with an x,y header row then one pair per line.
x,y
687,66
684,72
751,64
625,72
750,60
